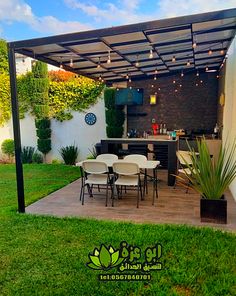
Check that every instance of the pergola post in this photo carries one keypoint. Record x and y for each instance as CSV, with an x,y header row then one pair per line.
x,y
16,130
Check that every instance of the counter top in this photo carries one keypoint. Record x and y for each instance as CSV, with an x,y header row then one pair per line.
x,y
151,138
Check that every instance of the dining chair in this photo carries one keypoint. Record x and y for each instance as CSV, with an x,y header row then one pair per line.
x,y
95,173
109,156
127,174
184,158
139,159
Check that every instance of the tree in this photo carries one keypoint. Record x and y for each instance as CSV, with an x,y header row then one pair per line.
x,y
3,56
39,96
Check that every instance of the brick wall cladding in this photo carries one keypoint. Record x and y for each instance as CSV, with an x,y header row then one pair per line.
x,y
191,108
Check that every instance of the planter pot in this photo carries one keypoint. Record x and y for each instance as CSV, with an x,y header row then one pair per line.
x,y
213,210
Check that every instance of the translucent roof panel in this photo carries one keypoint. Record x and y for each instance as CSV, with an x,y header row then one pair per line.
x,y
153,44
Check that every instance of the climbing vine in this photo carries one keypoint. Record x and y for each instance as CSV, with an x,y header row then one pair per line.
x,y
5,103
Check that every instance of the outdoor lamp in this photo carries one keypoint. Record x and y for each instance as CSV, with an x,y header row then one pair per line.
x,y
153,99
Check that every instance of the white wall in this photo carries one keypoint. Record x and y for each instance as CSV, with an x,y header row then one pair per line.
x,y
229,117
64,133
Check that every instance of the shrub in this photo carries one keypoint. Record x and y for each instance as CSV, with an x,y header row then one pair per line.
x,y
44,133
44,145
114,131
69,154
42,123
8,147
27,154
37,157
109,98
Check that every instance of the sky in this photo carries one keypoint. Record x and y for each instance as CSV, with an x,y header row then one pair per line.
x,y
26,19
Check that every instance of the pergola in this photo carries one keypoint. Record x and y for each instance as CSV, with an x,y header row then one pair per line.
x,y
139,51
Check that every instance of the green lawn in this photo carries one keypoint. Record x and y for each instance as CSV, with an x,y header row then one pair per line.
x,y
47,256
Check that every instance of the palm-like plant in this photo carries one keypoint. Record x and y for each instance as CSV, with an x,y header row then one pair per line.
x,y
211,177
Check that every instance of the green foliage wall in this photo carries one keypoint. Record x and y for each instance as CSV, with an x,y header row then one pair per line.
x,y
5,101
3,56
115,116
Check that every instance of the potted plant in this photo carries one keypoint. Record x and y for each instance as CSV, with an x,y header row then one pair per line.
x,y
211,177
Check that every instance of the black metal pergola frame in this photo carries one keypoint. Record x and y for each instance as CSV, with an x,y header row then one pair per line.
x,y
59,51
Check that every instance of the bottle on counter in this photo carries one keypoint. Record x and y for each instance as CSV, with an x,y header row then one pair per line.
x,y
164,129
216,131
161,129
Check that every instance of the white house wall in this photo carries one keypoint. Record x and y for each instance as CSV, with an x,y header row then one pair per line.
x,y
74,131
229,117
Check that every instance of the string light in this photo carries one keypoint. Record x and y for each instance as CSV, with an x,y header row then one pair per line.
x,y
207,68
182,73
130,79
222,49
155,77
130,87
159,88
152,85
127,76
176,90
194,44
188,63
61,66
196,84
109,57
173,59
197,74
156,71
201,81
99,63
137,62
180,85
150,54
210,52
174,81
71,63
100,77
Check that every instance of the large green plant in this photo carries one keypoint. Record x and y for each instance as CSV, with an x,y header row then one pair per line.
x,y
115,116
8,148
211,177
69,154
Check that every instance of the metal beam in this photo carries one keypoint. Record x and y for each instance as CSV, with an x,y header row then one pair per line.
x,y
158,24
16,130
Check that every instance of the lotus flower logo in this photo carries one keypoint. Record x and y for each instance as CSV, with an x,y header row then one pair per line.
x,y
105,258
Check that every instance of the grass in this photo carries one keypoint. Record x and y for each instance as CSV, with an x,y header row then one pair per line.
x,y
47,255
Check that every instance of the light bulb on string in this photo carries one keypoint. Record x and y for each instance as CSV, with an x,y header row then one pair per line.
x,y
137,62
151,54
155,77
210,52
156,71
173,59
188,63
109,57
71,63
99,63
182,73
197,74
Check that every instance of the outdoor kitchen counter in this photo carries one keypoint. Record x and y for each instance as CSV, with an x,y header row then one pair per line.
x,y
107,146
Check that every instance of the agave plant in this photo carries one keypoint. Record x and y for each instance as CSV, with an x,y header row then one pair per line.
x,y
105,258
211,177
69,154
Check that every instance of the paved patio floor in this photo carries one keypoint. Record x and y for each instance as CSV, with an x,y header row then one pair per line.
x,y
172,206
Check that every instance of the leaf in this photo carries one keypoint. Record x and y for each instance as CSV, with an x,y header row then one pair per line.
x,y
105,257
96,253
118,262
95,260
111,250
91,265
114,257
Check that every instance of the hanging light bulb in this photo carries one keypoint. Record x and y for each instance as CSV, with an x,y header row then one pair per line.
x,y
150,54
174,81
207,68
197,74
159,88
222,49
188,63
127,76
100,77
155,77
152,85
194,44
61,66
173,59
176,90
137,62
109,57
130,79
210,52
196,84
182,73
99,63
201,81
71,63
180,85
117,89
130,87
156,71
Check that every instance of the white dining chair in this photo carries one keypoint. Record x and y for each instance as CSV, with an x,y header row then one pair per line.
x,y
107,156
139,159
184,157
127,174
95,173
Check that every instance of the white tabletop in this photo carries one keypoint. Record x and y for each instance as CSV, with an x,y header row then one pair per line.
x,y
149,164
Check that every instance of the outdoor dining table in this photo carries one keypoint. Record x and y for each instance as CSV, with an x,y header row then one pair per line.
x,y
144,165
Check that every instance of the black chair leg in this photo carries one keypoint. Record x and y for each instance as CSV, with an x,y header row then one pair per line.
x,y
138,196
